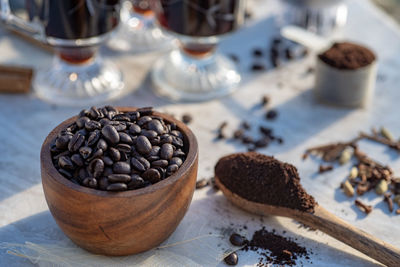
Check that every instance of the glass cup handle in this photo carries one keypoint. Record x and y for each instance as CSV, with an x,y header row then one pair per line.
x,y
33,29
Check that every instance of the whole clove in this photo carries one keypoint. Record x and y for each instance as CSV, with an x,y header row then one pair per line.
x,y
363,207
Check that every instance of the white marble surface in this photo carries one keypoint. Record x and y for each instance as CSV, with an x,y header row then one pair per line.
x,y
25,121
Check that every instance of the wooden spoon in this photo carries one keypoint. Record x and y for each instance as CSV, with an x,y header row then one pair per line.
x,y
326,222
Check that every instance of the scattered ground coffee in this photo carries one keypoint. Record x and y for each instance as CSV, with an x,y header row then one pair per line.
x,y
264,179
284,251
347,56
110,150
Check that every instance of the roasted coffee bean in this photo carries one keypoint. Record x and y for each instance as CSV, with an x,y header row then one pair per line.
x,y
65,163
102,144
96,167
179,153
121,167
65,173
93,137
143,145
119,178
136,164
125,138
96,154
149,134
160,163
54,150
172,169
111,134
152,175
114,153
108,161
231,259
117,187
125,148
167,151
135,129
144,161
176,141
94,113
62,141
265,131
83,132
103,183
145,111
258,67
111,108
84,112
143,120
155,125
76,142
82,121
177,134
77,160
247,140
92,125
85,152
136,182
237,240
121,117
176,160
134,115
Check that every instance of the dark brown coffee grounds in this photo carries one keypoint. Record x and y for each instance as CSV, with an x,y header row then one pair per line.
x,y
283,251
264,179
347,56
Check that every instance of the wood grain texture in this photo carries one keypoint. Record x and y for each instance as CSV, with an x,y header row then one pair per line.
x,y
120,223
326,222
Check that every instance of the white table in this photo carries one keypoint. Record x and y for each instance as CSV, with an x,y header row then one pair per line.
x,y
25,121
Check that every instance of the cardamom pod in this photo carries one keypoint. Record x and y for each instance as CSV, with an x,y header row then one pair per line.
x,y
353,173
346,155
348,188
387,134
397,199
382,187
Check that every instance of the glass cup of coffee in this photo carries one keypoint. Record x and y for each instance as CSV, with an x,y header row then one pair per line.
x,y
75,29
194,72
138,31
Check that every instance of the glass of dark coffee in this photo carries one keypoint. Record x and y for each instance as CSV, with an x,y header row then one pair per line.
x,y
76,29
138,31
195,72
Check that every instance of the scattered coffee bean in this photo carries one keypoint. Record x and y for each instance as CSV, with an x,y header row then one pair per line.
x,y
265,100
201,183
258,52
231,259
325,168
234,57
187,118
237,240
271,114
121,150
258,67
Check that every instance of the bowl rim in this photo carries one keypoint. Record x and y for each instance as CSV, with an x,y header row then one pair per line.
x,y
191,158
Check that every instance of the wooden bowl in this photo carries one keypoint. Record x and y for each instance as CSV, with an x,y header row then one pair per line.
x,y
119,223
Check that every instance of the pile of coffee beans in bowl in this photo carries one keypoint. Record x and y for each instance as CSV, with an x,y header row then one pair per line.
x,y
110,150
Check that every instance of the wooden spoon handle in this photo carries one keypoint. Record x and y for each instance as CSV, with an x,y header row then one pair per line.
x,y
371,246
